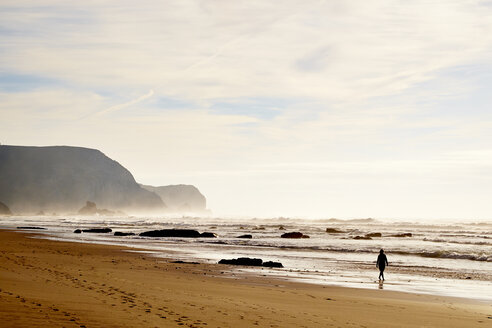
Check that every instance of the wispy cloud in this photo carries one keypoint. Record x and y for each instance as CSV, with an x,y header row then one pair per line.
x,y
200,50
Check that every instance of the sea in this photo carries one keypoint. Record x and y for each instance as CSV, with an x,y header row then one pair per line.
x,y
445,258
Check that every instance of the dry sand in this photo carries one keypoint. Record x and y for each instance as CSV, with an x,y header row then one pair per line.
x,y
59,284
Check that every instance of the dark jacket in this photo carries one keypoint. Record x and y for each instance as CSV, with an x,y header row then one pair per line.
x,y
382,261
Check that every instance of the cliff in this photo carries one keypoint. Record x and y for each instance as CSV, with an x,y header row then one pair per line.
x,y
62,178
180,198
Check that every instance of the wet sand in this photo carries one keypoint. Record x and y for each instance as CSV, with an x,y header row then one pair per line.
x,y
60,284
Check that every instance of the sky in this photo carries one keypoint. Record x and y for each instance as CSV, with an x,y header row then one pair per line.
x,y
321,109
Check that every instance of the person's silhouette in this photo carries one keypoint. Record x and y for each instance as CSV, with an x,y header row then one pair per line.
x,y
381,263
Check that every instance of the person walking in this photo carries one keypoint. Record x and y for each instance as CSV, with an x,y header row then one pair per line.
x,y
381,263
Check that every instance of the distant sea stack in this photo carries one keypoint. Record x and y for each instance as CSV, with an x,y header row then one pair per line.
x,y
62,179
180,198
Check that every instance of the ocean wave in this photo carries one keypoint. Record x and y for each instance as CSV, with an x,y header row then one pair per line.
x,y
469,235
453,255
474,240
368,220
462,242
317,248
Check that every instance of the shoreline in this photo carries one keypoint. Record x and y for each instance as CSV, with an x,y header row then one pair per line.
x,y
446,279
45,282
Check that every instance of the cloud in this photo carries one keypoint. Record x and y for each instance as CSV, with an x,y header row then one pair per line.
x,y
32,108
207,50
317,60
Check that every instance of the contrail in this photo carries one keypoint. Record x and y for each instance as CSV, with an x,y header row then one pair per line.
x,y
124,105
217,53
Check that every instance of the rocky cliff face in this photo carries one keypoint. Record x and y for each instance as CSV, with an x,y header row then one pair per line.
x,y
180,198
63,178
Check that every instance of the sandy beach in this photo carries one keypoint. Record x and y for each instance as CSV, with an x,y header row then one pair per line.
x,y
47,283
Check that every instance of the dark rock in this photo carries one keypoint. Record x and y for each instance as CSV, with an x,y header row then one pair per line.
x,y
271,264
259,228
97,230
374,234
305,236
245,236
251,262
293,235
243,261
362,238
407,234
208,235
119,233
281,228
183,262
182,233
4,209
78,231
333,230
31,228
